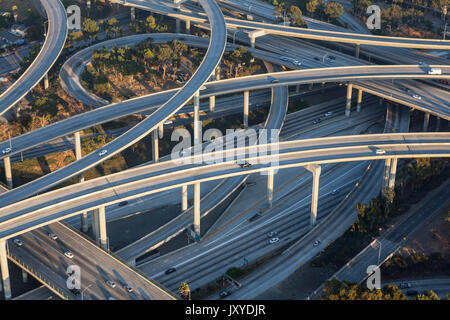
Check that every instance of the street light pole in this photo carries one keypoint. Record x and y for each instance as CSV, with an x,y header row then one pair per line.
x,y
82,292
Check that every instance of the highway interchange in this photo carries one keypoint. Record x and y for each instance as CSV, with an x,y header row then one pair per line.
x,y
19,215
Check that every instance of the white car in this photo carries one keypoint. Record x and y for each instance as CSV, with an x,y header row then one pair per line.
x,y
297,63
168,122
111,283
128,288
435,71
6,150
316,243
334,191
53,236
3,79
329,113
203,88
380,151
68,254
416,96
274,240
102,153
17,242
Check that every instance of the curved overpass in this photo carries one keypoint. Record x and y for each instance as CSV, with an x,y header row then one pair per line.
x,y
324,35
53,45
53,206
262,81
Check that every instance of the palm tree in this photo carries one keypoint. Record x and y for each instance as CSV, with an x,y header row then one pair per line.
x,y
184,290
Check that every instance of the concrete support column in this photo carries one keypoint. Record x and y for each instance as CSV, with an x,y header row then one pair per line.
x,y
217,73
155,146
95,225
315,170
177,25
46,85
161,130
438,123
133,14
24,276
246,104
426,121
212,103
102,228
78,155
349,99
252,41
184,198
5,270
8,172
197,123
357,48
358,105
297,88
386,175
311,85
197,208
270,175
188,26
392,173
380,101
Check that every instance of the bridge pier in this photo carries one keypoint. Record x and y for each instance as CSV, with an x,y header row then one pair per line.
x,y
438,123
102,228
46,84
184,198
177,26
390,171
188,26
253,35
133,13
270,177
24,276
161,130
212,103
357,49
426,121
95,225
155,146
315,170
358,105
246,104
197,208
8,172
197,123
5,271
349,99
311,85
217,73
78,156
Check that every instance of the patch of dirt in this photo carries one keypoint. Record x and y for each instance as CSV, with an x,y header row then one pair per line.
x,y
432,237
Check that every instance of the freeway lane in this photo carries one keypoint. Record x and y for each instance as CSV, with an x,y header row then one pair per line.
x,y
29,214
53,45
42,253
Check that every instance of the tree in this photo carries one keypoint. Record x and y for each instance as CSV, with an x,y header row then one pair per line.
x,y
184,290
311,7
297,16
164,56
427,295
90,29
334,10
112,27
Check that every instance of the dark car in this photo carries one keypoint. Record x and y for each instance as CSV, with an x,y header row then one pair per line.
x,y
225,293
245,165
332,57
75,291
317,58
123,203
170,270
412,293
